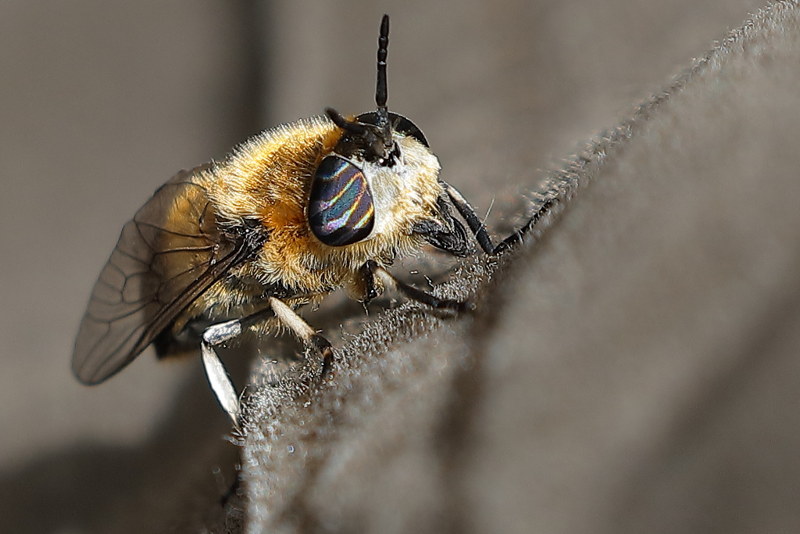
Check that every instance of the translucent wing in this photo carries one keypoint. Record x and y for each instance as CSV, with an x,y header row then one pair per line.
x,y
167,256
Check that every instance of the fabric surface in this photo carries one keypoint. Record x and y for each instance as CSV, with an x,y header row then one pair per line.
x,y
634,369
631,368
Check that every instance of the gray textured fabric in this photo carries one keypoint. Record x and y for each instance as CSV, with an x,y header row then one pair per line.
x,y
632,368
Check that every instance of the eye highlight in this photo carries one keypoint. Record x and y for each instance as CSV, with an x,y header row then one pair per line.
x,y
340,208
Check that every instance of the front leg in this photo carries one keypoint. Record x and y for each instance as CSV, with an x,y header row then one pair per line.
x,y
478,228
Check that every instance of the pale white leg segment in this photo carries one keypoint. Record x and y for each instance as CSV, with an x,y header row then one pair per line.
x,y
303,331
291,320
219,379
221,383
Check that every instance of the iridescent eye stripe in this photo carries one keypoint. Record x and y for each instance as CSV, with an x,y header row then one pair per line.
x,y
328,204
340,210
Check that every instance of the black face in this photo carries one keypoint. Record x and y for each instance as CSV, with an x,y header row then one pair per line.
x,y
368,137
399,124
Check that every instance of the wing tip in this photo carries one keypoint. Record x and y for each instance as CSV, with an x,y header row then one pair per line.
x,y
80,372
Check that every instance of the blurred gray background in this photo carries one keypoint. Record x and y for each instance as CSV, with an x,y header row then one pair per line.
x,y
101,102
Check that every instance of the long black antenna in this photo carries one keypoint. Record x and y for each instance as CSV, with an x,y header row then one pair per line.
x,y
381,91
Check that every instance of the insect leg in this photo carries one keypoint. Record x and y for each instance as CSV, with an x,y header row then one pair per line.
x,y
478,228
416,294
218,377
371,291
219,333
220,381
302,330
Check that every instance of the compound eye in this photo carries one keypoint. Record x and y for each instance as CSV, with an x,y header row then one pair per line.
x,y
340,209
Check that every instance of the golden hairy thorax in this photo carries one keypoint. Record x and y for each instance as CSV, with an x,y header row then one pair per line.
x,y
268,179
